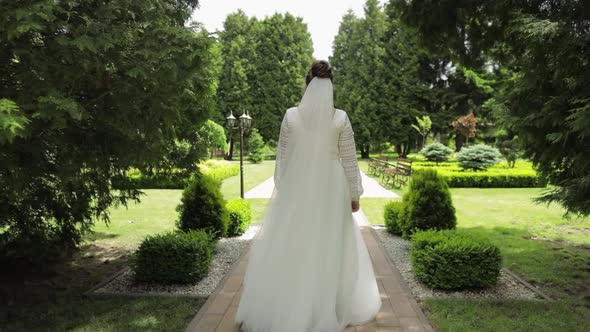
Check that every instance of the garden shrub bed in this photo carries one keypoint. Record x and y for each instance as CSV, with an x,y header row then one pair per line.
x,y
449,259
498,176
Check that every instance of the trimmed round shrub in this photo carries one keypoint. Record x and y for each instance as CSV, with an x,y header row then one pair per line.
x,y
478,157
427,204
175,257
240,215
203,207
391,214
436,152
454,260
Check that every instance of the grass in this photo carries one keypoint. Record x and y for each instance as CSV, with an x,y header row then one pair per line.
x,y
499,316
52,300
156,213
537,243
254,174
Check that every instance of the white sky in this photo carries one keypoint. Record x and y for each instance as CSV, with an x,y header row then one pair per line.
x,y
322,17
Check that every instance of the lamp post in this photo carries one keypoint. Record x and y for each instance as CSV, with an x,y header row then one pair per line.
x,y
243,124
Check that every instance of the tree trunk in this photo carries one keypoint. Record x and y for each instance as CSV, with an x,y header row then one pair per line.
x,y
405,149
231,148
398,149
365,151
459,141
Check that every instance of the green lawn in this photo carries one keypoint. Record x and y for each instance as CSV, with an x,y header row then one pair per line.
x,y
53,301
156,213
536,242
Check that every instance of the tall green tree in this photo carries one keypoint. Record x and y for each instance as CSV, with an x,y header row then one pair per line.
x,y
284,54
238,43
357,62
88,90
238,49
546,101
404,95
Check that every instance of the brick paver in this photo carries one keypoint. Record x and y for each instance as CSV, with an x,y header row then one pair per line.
x,y
399,311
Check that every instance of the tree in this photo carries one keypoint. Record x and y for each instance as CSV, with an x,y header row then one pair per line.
x,y
90,89
265,63
423,127
357,62
546,102
284,54
212,137
238,43
255,146
466,126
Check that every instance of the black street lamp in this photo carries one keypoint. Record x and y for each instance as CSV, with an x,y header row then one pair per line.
x,y
245,121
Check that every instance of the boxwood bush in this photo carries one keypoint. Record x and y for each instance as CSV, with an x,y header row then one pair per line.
x,y
175,257
449,259
427,204
391,214
203,207
240,215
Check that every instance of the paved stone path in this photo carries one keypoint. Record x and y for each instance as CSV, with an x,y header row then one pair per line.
x,y
399,312
372,189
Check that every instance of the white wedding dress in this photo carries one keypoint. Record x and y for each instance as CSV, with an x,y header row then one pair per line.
x,y
309,269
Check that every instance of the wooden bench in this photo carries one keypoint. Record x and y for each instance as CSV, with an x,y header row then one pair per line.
x,y
399,173
377,165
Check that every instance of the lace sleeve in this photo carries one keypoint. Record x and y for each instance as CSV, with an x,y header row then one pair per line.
x,y
347,148
281,156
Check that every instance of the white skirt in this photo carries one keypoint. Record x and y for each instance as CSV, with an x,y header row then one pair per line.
x,y
309,268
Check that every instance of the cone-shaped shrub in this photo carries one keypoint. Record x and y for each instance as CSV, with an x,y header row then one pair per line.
x,y
203,207
427,204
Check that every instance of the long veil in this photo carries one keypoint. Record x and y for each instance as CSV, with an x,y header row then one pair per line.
x,y
303,265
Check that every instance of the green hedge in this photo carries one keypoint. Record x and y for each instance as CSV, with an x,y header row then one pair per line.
x,y
219,169
175,257
216,169
449,259
240,215
159,181
391,216
498,176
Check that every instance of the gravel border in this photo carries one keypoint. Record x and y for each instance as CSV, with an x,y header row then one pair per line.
x,y
227,252
398,249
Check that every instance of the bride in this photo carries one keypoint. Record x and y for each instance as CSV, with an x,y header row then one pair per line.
x,y
309,269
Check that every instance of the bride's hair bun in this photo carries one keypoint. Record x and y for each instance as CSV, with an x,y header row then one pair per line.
x,y
319,69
